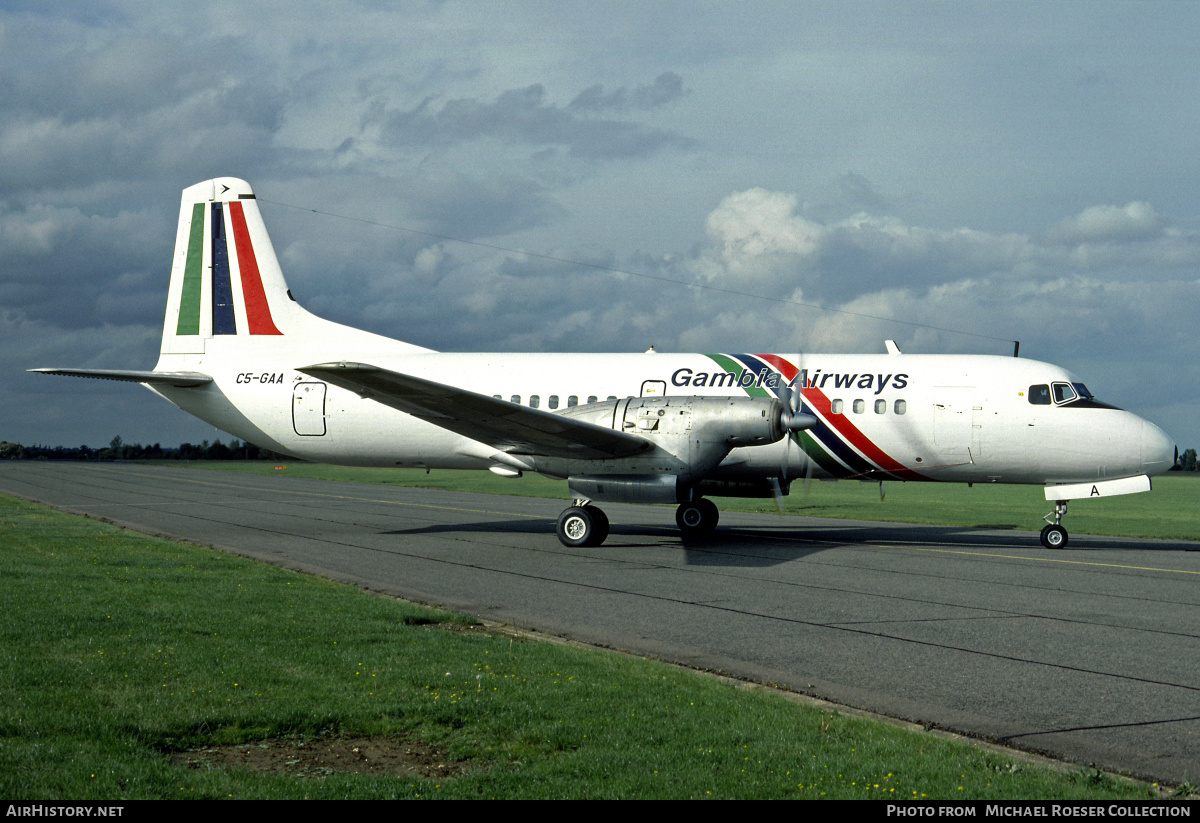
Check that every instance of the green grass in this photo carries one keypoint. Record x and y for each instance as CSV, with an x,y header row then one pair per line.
x,y
1168,512
117,648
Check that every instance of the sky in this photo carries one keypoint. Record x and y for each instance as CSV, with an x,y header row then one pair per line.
x,y
606,176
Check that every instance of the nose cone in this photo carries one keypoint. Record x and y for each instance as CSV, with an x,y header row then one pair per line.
x,y
1158,450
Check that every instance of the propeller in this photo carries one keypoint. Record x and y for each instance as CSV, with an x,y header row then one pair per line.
x,y
792,420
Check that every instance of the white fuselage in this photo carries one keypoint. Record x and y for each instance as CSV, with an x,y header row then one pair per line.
x,y
962,418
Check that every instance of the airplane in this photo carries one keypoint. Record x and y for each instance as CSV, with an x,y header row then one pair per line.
x,y
239,352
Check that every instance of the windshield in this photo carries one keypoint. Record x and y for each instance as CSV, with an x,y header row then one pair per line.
x,y
1063,393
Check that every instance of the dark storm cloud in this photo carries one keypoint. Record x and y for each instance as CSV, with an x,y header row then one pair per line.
x,y
666,88
486,207
86,101
82,270
524,116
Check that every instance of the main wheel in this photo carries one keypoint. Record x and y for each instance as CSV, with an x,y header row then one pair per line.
x,y
697,517
582,526
1054,537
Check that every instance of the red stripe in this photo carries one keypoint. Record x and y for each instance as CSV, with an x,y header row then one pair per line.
x,y
258,313
850,433
782,366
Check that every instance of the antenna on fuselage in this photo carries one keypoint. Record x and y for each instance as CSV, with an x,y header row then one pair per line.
x,y
1016,348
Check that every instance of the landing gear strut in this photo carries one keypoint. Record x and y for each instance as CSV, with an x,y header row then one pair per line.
x,y
697,517
1054,536
582,525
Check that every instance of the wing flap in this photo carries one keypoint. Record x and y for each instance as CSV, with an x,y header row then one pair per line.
x,y
505,426
181,379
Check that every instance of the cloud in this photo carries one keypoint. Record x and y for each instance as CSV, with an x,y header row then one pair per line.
x,y
85,102
1107,224
666,89
84,270
524,116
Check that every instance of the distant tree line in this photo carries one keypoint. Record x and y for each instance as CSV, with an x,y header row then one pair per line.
x,y
117,449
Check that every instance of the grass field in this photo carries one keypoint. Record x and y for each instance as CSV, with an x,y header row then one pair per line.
x,y
1168,512
120,651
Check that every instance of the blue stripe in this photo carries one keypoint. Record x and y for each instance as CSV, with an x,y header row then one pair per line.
x,y
755,365
222,289
839,448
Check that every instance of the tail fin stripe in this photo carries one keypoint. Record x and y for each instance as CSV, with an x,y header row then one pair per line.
x,y
189,301
222,289
258,311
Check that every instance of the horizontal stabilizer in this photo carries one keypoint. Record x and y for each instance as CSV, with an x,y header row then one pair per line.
x,y
505,426
181,379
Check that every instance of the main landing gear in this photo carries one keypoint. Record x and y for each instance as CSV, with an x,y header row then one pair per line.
x,y
582,525
585,525
697,518
1054,536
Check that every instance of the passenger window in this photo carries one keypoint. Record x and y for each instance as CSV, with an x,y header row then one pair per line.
x,y
900,407
612,397
553,401
836,406
880,406
516,398
498,397
534,401
1039,395
859,406
591,398
1063,393
573,400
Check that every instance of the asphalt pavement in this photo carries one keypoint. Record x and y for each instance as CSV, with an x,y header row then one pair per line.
x,y
1089,654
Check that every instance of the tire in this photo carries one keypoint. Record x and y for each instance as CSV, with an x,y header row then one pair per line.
x,y
697,517
600,519
1054,537
582,526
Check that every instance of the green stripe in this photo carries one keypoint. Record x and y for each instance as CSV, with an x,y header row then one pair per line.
x,y
735,368
819,456
189,302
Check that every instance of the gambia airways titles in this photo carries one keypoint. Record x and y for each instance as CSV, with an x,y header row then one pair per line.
x,y
768,379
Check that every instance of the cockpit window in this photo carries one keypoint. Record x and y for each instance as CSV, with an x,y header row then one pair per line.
x,y
1068,395
1063,393
1039,395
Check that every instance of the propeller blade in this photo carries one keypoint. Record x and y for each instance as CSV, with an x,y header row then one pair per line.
x,y
808,466
778,489
783,461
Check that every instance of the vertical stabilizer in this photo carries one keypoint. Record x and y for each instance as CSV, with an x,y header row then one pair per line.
x,y
227,292
225,279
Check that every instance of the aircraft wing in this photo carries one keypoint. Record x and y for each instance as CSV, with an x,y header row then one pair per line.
x,y
508,427
182,379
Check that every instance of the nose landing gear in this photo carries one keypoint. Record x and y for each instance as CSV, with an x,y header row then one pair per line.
x,y
1054,536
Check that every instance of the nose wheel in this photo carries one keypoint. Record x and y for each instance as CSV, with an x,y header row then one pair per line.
x,y
1054,536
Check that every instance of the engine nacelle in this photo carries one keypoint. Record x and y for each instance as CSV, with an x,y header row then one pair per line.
x,y
691,436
